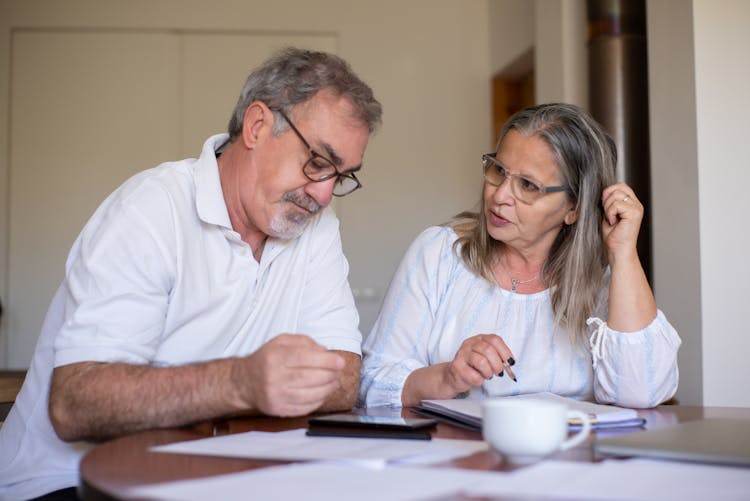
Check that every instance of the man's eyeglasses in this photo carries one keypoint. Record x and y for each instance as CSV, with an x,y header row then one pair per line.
x,y
318,168
523,188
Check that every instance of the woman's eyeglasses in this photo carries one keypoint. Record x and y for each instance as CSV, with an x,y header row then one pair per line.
x,y
524,189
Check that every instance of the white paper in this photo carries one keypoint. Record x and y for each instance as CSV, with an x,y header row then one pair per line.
x,y
633,480
318,482
294,445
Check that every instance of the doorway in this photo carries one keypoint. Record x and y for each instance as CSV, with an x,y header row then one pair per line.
x,y
509,95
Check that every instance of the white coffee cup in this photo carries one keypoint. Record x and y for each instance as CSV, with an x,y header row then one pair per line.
x,y
526,430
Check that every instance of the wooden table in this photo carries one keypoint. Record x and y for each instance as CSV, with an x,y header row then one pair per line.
x,y
10,385
114,466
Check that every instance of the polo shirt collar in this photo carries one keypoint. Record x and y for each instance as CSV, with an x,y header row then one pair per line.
x,y
209,199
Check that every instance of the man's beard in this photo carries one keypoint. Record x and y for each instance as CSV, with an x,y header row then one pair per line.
x,y
289,224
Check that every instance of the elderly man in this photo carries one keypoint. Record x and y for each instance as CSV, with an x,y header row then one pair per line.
x,y
206,287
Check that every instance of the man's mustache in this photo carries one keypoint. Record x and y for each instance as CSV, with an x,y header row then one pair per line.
x,y
302,200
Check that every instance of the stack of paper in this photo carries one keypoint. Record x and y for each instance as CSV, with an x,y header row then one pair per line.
x,y
552,480
469,411
294,445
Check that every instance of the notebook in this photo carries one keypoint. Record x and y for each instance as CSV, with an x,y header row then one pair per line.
x,y
710,440
467,412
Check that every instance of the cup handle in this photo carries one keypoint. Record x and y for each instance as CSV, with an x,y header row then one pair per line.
x,y
582,433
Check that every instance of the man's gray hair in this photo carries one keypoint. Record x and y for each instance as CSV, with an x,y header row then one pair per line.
x,y
293,76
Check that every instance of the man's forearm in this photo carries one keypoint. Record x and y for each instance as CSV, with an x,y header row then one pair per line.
x,y
345,397
92,400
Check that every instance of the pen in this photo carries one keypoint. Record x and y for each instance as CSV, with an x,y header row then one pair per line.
x,y
506,365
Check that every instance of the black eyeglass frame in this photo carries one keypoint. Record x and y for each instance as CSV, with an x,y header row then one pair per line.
x,y
328,164
490,158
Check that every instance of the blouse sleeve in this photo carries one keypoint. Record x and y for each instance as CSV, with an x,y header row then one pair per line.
x,y
397,344
634,369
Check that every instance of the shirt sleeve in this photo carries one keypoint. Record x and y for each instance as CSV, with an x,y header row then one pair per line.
x,y
634,369
116,289
397,344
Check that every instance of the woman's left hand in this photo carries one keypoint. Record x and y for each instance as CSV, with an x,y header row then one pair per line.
x,y
623,213
631,301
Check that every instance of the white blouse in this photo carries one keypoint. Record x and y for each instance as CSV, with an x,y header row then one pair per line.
x,y
434,303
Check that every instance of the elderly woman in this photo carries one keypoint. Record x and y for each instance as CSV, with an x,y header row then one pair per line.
x,y
545,278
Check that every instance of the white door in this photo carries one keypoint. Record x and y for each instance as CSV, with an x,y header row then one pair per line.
x,y
88,109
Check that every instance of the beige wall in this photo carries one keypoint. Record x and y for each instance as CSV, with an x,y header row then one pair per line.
x,y
512,30
698,84
698,81
722,76
674,179
427,60
561,64
548,35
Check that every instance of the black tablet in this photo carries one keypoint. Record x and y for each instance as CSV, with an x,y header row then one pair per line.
x,y
353,425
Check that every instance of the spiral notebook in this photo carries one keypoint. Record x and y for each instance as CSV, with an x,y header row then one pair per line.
x,y
710,440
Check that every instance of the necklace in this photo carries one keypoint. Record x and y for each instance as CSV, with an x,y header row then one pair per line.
x,y
514,282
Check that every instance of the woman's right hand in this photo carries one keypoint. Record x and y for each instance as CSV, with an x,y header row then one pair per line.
x,y
479,358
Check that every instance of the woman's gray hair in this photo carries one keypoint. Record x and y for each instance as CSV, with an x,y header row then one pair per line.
x,y
586,156
293,76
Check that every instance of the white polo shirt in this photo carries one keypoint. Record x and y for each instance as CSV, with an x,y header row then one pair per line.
x,y
158,277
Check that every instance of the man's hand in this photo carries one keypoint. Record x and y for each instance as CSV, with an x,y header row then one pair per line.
x,y
291,375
